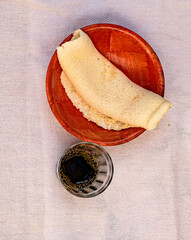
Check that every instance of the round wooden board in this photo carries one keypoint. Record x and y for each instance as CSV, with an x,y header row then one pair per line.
x,y
127,51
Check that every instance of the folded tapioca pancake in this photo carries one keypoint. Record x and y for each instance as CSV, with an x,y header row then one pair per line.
x,y
88,112
105,89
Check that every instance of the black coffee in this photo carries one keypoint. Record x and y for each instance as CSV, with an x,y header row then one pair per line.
x,y
78,168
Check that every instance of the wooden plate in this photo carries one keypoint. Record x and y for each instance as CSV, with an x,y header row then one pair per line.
x,y
127,51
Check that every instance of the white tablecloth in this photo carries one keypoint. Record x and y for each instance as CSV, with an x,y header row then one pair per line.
x,y
150,195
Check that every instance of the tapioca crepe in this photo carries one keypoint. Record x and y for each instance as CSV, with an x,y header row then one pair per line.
x,y
103,93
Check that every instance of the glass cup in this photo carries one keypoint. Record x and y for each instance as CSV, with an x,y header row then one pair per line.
x,y
100,163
